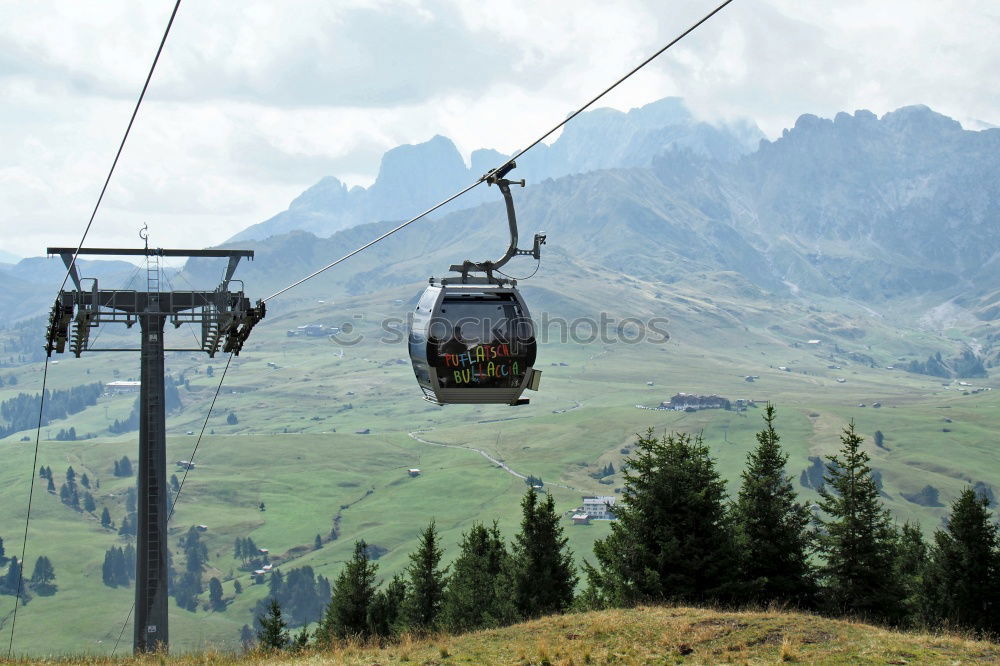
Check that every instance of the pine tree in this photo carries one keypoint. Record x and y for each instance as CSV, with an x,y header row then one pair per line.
x,y
12,579
105,518
247,637
272,634
215,594
772,526
318,543
346,615
542,576
386,608
911,567
89,504
44,571
70,475
425,588
85,480
962,585
672,540
857,538
237,587
195,551
3,557
476,596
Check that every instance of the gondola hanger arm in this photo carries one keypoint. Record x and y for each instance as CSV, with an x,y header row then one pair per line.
x,y
497,177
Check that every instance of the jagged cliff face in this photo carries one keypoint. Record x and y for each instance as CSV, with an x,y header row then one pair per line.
x,y
871,208
878,207
874,209
412,178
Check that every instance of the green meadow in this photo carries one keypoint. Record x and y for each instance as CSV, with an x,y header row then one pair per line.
x,y
302,404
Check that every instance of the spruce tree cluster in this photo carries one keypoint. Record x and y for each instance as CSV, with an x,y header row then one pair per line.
x,y
123,467
673,540
119,566
961,576
189,585
21,411
10,581
302,595
42,577
249,555
488,586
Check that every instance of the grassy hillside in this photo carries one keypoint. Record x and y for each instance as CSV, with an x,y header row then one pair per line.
x,y
300,403
650,635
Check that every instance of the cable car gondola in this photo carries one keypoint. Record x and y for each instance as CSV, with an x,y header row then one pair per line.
x,y
472,340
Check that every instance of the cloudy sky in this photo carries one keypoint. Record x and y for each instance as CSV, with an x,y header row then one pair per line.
x,y
253,101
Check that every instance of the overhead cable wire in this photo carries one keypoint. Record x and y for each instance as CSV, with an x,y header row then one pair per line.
x,y
426,212
27,517
180,486
618,82
69,271
509,160
121,146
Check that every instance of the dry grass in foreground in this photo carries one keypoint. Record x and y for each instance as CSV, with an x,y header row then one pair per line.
x,y
646,635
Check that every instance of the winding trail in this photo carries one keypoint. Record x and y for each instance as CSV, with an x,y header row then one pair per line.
x,y
415,435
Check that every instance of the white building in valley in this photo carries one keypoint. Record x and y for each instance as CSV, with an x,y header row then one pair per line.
x,y
599,508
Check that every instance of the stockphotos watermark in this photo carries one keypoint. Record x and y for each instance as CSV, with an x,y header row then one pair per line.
x,y
603,328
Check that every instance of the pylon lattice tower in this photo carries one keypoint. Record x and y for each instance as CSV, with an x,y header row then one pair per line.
x,y
226,319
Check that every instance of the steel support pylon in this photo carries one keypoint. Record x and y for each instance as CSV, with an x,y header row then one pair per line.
x,y
151,628
226,318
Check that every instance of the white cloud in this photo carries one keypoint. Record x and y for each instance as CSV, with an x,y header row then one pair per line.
x,y
254,101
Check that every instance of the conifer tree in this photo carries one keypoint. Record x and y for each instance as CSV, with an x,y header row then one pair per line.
x,y
3,557
772,526
44,571
85,480
215,594
105,518
386,608
672,540
426,582
89,504
318,543
962,585
911,566
10,582
272,634
247,637
542,575
475,596
51,486
857,538
346,615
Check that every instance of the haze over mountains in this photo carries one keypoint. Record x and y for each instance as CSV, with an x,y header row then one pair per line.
x,y
862,207
414,177
857,206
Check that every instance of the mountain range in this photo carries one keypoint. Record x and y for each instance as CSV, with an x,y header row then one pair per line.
x,y
858,207
412,178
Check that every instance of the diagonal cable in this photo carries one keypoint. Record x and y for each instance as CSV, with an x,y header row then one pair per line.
x,y
121,146
511,159
27,517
